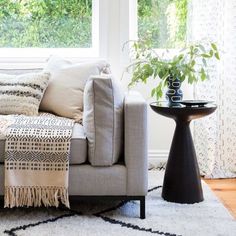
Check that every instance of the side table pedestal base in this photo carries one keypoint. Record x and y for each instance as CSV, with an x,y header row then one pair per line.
x,y
182,182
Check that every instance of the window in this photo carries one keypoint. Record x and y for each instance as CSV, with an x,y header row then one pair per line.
x,y
40,25
163,22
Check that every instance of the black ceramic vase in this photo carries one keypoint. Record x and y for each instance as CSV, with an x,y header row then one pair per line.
x,y
174,94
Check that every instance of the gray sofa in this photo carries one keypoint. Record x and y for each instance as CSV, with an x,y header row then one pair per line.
x,y
124,180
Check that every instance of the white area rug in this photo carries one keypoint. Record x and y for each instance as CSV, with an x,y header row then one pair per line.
x,y
208,218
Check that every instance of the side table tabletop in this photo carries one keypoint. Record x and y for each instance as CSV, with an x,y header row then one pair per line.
x,y
182,182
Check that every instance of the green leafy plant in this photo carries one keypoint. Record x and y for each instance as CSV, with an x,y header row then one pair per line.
x,y
45,23
189,64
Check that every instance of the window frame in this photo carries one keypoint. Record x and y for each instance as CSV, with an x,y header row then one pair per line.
x,y
38,55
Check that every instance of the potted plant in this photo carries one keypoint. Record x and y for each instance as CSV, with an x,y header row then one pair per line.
x,y
189,64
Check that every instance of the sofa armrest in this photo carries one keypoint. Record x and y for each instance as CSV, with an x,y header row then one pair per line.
x,y
135,115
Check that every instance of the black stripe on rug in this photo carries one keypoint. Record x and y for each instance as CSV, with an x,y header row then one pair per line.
x,y
135,227
12,231
154,188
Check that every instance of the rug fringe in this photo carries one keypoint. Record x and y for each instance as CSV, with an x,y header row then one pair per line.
x,y
35,196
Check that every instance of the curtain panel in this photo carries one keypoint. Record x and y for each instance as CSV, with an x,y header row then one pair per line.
x,y
215,136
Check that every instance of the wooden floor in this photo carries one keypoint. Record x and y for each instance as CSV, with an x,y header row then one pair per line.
x,y
225,189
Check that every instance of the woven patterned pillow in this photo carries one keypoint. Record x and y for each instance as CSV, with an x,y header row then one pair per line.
x,y
22,94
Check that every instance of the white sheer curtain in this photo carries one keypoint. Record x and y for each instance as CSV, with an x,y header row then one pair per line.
x,y
215,136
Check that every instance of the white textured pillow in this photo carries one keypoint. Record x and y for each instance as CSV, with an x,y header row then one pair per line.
x,y
64,94
22,94
103,120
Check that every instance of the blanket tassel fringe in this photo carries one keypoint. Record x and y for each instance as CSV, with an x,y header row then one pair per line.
x,y
35,196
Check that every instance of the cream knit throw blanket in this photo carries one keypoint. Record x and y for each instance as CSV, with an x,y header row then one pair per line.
x,y
37,160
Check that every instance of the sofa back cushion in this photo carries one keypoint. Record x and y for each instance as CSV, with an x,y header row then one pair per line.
x,y
103,120
22,94
64,94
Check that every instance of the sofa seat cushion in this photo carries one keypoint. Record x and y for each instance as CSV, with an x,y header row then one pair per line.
x,y
78,149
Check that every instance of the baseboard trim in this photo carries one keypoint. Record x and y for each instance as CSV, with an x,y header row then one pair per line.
x,y
157,158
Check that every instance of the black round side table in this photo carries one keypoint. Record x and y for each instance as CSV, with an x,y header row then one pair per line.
x,y
182,182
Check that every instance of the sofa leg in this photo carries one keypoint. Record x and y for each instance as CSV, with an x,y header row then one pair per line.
x,y
142,208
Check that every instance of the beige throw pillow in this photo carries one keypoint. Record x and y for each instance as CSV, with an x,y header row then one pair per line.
x,y
64,94
103,120
22,94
